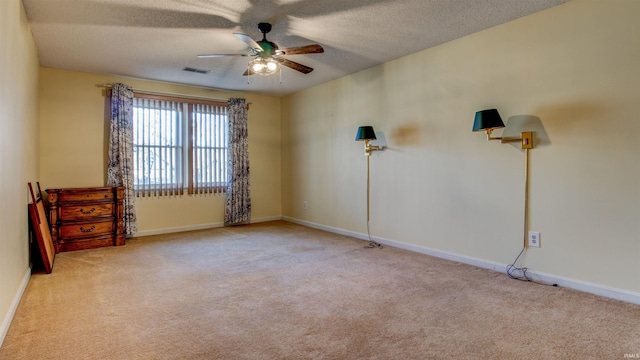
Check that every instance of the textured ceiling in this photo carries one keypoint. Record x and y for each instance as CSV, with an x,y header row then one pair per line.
x,y
157,39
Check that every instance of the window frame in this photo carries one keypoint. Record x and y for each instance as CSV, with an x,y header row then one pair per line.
x,y
188,105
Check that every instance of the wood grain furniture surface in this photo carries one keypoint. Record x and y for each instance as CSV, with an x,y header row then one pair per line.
x,y
86,218
41,228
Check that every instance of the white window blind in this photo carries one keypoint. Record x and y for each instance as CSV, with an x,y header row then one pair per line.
x,y
179,147
209,134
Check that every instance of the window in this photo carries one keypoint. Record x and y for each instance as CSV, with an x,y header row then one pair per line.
x,y
179,145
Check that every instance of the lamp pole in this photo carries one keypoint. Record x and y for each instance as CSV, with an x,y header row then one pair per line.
x,y
368,190
367,152
366,134
526,196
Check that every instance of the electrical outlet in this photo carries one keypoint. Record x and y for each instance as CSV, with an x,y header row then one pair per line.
x,y
304,205
534,239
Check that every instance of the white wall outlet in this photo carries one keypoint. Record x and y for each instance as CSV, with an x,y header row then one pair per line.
x,y
304,205
534,239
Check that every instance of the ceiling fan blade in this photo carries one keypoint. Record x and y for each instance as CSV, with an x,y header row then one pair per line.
x,y
249,41
309,49
294,65
202,56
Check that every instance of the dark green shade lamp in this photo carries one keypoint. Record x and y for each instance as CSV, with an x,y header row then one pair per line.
x,y
366,134
487,120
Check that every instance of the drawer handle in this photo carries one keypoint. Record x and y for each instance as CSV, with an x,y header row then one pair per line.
x,y
87,230
87,212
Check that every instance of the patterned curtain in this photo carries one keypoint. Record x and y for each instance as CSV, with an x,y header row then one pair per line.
x,y
120,168
238,209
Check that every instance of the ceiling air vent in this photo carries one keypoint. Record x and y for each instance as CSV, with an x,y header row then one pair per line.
x,y
194,70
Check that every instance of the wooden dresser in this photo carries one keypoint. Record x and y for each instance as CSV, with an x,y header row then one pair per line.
x,y
86,218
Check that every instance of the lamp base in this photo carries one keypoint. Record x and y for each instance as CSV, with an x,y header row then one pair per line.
x,y
373,244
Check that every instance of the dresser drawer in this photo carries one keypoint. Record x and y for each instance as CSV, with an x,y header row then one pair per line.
x,y
84,243
75,230
86,212
71,195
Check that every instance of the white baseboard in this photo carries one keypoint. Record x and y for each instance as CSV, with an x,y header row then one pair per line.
x,y
596,289
177,229
265,219
197,227
14,306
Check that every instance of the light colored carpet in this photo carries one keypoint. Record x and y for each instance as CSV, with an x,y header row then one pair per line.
x,y
278,290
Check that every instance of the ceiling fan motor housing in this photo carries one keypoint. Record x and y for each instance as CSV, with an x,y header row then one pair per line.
x,y
268,48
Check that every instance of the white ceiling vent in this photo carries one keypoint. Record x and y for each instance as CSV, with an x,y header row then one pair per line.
x,y
199,71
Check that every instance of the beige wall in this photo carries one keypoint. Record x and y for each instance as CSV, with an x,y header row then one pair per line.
x,y
18,151
73,150
440,186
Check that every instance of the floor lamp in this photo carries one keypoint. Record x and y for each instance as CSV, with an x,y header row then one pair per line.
x,y
366,134
489,120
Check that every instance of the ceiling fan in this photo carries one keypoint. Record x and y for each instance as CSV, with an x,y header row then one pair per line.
x,y
267,55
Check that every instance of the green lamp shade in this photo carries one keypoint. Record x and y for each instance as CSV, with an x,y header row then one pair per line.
x,y
487,119
365,133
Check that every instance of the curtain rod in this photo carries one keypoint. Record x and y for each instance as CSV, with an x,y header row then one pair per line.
x,y
109,85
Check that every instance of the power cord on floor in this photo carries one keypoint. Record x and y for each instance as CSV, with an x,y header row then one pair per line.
x,y
520,273
372,244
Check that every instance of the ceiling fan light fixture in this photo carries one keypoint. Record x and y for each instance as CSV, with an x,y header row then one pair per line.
x,y
264,66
